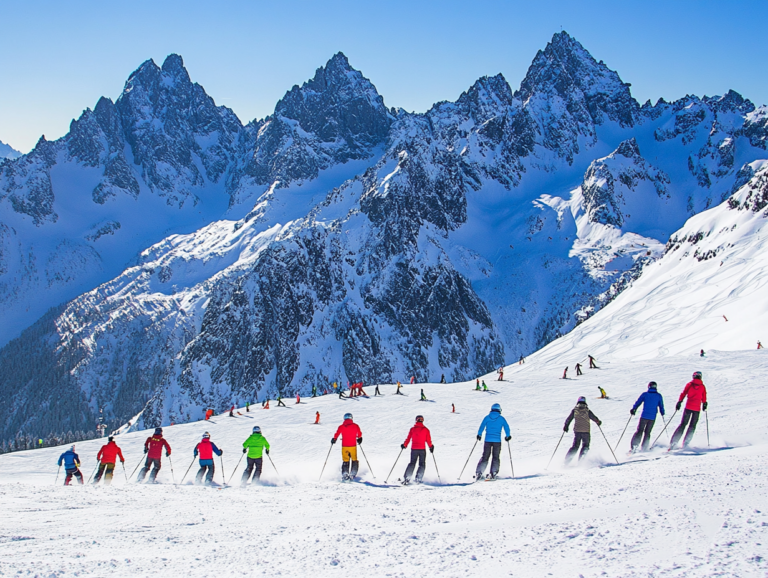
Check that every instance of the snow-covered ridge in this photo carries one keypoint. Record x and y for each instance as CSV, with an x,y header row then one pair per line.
x,y
8,152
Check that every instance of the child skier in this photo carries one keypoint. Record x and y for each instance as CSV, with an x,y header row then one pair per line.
x,y
652,402
423,397
492,424
697,400
254,445
603,395
578,369
107,457
206,448
350,436
153,447
581,435
420,436
71,465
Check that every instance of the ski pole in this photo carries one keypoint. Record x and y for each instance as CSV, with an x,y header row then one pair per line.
x,y
469,456
665,428
510,459
173,477
706,415
189,468
554,452
237,466
609,445
223,477
137,467
366,461
124,472
57,476
438,471
393,465
94,471
273,464
326,461
622,433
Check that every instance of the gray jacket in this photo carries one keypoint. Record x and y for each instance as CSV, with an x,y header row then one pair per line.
x,y
582,415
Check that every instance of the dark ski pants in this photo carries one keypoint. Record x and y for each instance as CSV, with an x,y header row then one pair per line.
x,y
109,469
491,450
254,465
71,473
419,456
208,470
147,466
643,432
579,439
691,415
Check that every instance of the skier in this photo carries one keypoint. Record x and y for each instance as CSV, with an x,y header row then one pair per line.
x,y
208,414
377,392
759,345
206,448
578,369
232,411
280,400
254,445
350,436
341,393
652,402
492,424
477,387
398,392
697,400
592,364
247,406
314,391
522,360
701,354
153,447
317,417
581,414
413,379
565,373
442,378
485,387
453,408
71,465
265,405
420,436
501,374
603,395
298,399
423,397
107,457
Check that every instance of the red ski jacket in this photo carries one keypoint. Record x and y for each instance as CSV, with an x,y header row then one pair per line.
x,y
697,394
420,436
108,453
206,448
155,445
349,432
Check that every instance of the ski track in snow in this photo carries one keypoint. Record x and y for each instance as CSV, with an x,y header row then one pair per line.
x,y
698,513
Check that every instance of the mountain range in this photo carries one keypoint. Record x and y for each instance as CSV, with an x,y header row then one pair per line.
x,y
163,257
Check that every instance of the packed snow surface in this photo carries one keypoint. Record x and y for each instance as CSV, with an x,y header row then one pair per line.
x,y
695,513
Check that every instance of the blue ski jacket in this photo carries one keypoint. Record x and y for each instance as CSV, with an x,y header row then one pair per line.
x,y
492,425
71,460
651,401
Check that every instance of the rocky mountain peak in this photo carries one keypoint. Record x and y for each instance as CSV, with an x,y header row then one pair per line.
x,y
628,148
174,66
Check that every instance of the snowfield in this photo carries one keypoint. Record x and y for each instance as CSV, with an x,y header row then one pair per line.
x,y
697,513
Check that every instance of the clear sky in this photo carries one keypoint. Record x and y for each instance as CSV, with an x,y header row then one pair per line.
x,y
57,58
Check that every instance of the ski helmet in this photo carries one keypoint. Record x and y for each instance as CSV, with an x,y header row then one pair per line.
x,y
347,416
420,418
206,436
110,439
696,375
158,431
256,429
652,385
496,407
582,399
73,447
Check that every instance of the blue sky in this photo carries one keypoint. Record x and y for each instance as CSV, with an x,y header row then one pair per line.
x,y
57,58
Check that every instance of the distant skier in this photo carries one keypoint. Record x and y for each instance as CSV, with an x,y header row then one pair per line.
x,y
442,378
317,417
421,438
581,436
341,393
254,445
492,424
247,406
522,360
696,393
603,395
565,373
350,436
485,387
377,392
413,379
232,411
206,448
578,369
314,391
501,374
71,463
477,387
453,408
398,392
280,401
759,345
726,319
701,353
153,447
423,397
265,405
298,399
592,364
652,402
208,414
107,458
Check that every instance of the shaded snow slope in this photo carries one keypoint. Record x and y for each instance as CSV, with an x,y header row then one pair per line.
x,y
698,513
8,152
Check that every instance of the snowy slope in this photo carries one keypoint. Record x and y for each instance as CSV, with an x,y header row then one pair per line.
x,y
8,152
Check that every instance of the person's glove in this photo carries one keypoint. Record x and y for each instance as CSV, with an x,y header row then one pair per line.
x,y
245,450
359,441
122,461
431,449
333,441
678,406
167,454
267,451
599,423
632,411
506,439
221,452
479,438
402,446
565,429
146,450
704,406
